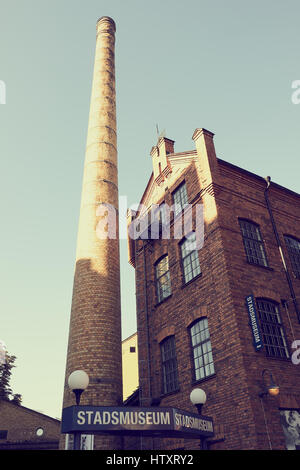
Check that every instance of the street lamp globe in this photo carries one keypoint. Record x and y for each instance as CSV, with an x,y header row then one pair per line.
x,y
198,398
269,388
78,381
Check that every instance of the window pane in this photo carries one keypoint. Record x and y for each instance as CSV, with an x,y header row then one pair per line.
x,y
293,246
163,280
190,259
202,350
169,365
253,243
162,266
180,198
271,327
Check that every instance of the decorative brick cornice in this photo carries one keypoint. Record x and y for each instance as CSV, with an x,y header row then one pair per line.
x,y
163,175
160,179
199,132
154,151
212,189
167,171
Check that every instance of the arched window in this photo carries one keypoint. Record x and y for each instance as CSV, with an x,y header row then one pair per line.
x,y
163,280
272,329
201,349
293,247
253,243
169,365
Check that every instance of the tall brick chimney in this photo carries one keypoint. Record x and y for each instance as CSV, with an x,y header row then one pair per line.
x,y
95,324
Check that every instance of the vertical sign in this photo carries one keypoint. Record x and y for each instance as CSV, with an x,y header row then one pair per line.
x,y
257,338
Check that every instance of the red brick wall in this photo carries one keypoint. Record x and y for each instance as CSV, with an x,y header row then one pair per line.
x,y
243,196
241,417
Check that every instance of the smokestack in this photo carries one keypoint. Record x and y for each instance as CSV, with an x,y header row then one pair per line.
x,y
95,324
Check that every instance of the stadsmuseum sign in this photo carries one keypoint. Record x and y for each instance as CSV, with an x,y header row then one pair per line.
x,y
170,422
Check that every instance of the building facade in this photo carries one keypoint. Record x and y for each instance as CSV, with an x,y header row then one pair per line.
x,y
218,300
22,428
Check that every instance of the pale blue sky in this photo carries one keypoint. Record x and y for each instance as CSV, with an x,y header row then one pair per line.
x,y
227,66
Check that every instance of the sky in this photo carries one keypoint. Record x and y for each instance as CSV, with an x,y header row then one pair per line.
x,y
227,66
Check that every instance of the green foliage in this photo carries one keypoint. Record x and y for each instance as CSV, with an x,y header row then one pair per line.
x,y
6,392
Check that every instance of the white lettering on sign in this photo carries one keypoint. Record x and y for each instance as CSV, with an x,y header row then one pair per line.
x,y
127,418
80,417
253,322
193,422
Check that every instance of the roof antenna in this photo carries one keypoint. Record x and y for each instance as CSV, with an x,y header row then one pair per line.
x,y
160,134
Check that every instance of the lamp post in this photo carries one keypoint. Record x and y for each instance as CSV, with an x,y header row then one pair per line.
x,y
78,381
198,398
271,388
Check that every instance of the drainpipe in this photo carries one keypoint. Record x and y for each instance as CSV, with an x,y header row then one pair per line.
x,y
288,277
147,323
145,328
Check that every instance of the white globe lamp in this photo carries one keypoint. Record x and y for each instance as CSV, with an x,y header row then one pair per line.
x,y
78,381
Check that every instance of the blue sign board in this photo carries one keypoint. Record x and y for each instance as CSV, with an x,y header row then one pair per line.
x,y
153,421
256,333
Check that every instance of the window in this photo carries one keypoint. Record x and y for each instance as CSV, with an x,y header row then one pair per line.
x,y
160,213
293,246
190,258
180,199
253,243
86,442
169,365
163,281
202,351
272,330
3,434
39,432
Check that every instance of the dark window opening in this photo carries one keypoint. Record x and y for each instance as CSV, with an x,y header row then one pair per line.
x,y
253,243
169,365
272,329
293,247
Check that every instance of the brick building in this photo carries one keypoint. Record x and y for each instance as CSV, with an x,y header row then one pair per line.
x,y
22,428
195,327
130,365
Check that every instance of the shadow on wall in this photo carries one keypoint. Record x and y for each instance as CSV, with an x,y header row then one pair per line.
x,y
95,333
